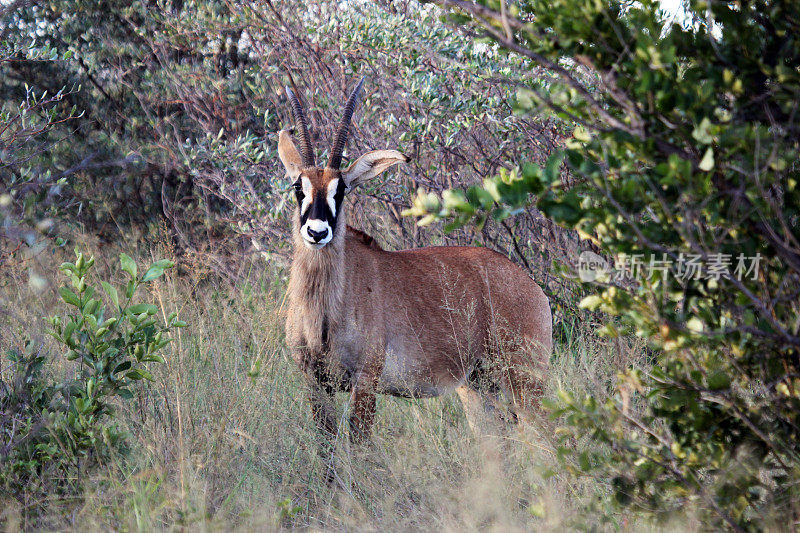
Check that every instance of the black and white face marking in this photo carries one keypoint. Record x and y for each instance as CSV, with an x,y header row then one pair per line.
x,y
318,210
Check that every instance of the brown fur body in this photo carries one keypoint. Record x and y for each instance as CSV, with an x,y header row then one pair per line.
x,y
413,323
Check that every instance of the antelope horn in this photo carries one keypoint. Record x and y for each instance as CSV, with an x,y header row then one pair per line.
x,y
341,136
306,150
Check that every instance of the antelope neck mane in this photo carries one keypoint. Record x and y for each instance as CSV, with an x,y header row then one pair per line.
x,y
316,284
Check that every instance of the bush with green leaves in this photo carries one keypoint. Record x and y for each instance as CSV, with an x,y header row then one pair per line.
x,y
684,152
30,195
54,430
180,102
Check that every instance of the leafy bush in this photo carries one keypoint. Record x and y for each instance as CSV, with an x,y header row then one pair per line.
x,y
30,196
179,103
684,152
52,431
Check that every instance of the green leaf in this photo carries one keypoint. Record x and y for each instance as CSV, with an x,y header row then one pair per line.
x,y
125,394
70,297
526,99
128,265
701,134
111,291
719,380
707,163
479,197
591,302
157,269
552,172
138,309
122,367
163,264
69,330
152,273
67,267
138,374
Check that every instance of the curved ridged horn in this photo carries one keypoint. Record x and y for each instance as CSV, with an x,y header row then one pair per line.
x,y
341,136
306,151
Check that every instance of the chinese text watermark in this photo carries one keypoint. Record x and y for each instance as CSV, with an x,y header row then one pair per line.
x,y
684,267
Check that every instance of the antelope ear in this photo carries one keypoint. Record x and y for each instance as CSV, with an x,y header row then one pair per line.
x,y
370,165
289,155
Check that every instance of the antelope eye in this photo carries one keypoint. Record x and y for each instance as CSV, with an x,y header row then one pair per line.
x,y
297,186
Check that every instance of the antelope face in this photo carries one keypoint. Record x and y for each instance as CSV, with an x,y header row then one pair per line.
x,y
319,196
320,192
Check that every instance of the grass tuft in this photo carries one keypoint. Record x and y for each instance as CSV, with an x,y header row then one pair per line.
x,y
223,438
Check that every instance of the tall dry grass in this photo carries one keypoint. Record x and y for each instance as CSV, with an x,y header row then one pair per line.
x,y
222,439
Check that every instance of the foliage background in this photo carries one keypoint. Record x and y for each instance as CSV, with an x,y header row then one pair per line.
x,y
685,146
179,102
149,126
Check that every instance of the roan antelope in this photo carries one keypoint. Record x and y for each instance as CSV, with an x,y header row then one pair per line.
x,y
412,323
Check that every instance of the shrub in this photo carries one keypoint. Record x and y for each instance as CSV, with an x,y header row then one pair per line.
x,y
684,151
179,103
53,431
30,196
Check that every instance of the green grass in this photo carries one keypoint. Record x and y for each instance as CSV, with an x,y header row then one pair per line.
x,y
222,438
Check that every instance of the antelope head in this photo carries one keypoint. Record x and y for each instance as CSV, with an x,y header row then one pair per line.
x,y
320,191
